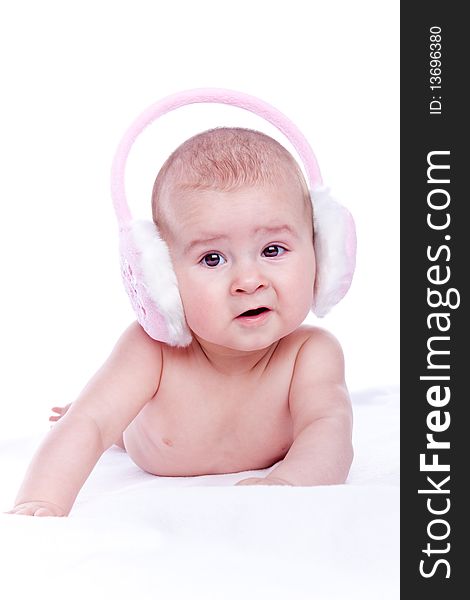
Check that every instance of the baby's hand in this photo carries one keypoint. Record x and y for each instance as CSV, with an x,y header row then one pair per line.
x,y
37,509
263,481
60,411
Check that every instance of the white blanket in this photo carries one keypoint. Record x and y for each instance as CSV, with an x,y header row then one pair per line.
x,y
134,535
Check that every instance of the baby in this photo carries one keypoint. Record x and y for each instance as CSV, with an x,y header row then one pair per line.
x,y
254,387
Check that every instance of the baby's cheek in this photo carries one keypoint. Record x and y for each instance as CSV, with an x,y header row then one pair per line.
x,y
298,293
199,316
200,305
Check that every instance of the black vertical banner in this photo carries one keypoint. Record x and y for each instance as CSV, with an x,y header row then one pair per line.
x,y
435,267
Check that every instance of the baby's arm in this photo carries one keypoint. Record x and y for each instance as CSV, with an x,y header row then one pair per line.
x,y
321,453
111,400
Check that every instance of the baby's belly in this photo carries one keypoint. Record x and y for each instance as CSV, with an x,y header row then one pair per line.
x,y
162,447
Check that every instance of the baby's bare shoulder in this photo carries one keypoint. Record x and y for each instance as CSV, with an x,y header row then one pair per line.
x,y
311,339
320,361
316,355
135,343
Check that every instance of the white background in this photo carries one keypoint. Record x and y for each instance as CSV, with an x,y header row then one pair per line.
x,y
75,74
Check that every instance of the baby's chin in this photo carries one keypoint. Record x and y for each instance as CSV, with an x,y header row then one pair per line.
x,y
246,345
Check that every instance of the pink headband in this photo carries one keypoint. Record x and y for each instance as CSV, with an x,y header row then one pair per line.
x,y
199,96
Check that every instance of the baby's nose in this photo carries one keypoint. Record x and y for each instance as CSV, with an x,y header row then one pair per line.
x,y
248,280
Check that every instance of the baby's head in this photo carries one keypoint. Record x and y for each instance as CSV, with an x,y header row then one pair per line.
x,y
233,206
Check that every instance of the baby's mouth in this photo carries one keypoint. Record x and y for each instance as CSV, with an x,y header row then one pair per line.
x,y
254,312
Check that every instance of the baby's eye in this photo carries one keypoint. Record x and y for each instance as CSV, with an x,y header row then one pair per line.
x,y
273,251
213,259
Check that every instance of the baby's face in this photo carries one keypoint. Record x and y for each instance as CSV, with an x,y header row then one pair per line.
x,y
239,251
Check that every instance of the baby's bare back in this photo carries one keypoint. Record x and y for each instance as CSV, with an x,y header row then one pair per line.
x,y
203,422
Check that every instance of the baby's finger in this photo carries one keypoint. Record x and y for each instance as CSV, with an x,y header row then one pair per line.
x,y
43,512
249,481
21,511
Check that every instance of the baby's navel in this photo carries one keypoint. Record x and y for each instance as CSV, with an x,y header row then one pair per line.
x,y
167,441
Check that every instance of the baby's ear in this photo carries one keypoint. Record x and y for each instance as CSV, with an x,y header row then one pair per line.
x,y
335,250
151,283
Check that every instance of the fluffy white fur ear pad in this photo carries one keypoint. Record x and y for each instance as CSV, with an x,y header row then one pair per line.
x,y
335,250
151,283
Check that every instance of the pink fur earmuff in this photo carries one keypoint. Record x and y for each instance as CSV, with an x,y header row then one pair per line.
x,y
146,266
